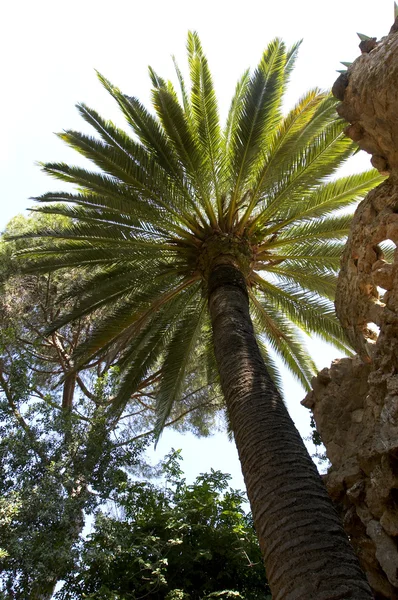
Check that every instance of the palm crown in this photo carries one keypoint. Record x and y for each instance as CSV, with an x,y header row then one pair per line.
x,y
180,196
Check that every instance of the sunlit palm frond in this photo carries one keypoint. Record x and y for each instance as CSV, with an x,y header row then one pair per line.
x,y
261,104
284,339
316,229
234,113
147,128
317,314
184,91
299,175
205,113
291,57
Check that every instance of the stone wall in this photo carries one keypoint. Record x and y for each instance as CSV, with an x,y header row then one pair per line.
x,y
353,420
355,401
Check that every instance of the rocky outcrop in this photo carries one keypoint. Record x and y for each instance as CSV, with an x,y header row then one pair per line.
x,y
356,421
355,401
367,291
369,94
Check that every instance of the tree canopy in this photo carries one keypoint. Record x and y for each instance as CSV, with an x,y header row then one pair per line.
x,y
175,541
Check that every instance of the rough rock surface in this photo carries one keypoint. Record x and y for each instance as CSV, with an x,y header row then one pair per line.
x,y
355,402
356,419
369,94
367,292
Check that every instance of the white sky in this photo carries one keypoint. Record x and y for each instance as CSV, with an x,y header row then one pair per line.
x,y
49,50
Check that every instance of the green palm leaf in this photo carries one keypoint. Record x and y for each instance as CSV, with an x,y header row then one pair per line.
x,y
234,113
184,91
147,128
259,114
205,112
302,307
180,352
283,140
283,338
143,350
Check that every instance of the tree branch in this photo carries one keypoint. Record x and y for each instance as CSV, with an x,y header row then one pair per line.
x,y
20,420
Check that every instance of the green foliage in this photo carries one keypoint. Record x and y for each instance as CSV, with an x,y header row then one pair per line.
x,y
64,446
315,437
178,541
149,223
52,474
30,303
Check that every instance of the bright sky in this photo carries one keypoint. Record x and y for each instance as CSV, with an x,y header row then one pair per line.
x,y
49,51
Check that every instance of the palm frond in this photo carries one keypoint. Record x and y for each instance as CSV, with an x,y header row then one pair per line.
x,y
334,195
283,139
270,363
284,340
147,128
317,229
259,114
177,357
124,322
178,131
291,56
323,284
130,211
184,92
131,220
140,355
235,112
310,312
205,112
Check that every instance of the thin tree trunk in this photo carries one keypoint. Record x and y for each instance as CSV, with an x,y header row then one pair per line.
x,y
306,552
68,391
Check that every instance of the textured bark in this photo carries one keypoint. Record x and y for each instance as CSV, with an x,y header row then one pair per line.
x,y
306,553
68,391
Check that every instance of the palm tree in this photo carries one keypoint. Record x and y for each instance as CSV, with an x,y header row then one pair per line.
x,y
213,246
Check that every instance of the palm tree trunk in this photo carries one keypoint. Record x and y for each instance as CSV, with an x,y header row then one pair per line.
x,y
306,552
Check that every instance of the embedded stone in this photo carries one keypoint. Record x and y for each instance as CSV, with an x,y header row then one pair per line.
x,y
389,521
384,276
357,415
